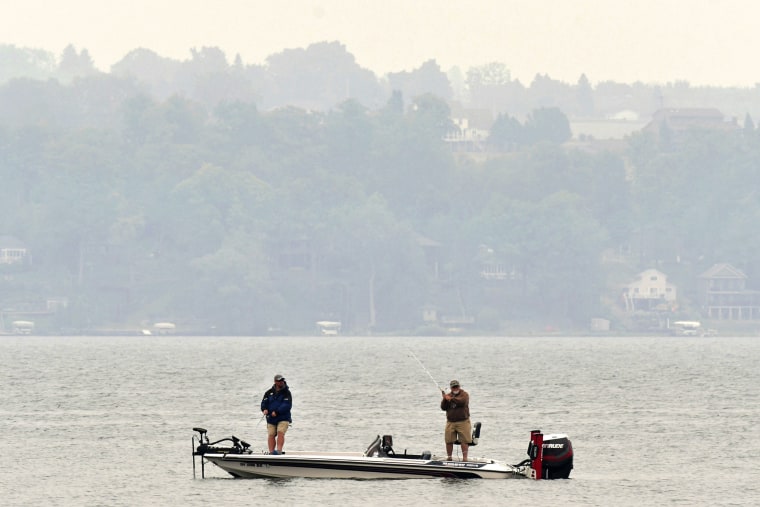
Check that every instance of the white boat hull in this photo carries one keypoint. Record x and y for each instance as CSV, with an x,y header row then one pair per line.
x,y
357,466
548,459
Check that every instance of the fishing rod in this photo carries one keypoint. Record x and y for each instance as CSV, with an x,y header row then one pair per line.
x,y
426,371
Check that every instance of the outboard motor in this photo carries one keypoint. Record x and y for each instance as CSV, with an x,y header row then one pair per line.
x,y
550,456
558,456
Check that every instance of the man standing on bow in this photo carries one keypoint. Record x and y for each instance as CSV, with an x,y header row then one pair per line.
x,y
457,406
276,405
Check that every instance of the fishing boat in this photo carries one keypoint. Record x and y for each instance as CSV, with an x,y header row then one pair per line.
x,y
549,457
687,328
328,327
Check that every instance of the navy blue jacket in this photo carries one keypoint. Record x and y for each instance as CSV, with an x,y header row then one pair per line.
x,y
279,402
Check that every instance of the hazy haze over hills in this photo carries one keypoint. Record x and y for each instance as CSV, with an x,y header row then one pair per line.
x,y
704,43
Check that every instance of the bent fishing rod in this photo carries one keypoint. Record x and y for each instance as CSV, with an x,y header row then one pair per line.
x,y
426,371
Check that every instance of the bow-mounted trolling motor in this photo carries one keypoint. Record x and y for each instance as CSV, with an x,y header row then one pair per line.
x,y
550,456
205,447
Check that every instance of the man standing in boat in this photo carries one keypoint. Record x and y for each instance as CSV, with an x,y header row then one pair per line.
x,y
457,406
276,405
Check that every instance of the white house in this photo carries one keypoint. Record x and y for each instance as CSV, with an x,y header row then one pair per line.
x,y
649,291
12,250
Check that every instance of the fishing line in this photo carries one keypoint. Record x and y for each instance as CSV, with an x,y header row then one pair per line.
x,y
426,371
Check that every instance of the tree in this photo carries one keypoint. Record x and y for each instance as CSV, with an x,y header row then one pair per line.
x,y
410,161
23,168
183,120
490,87
156,73
427,79
601,181
585,96
506,133
25,63
749,125
349,134
299,78
557,245
208,60
73,64
395,104
381,263
83,198
235,127
26,102
491,74
548,124
547,92
209,203
430,116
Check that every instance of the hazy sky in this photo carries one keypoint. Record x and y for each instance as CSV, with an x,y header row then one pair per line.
x,y
700,41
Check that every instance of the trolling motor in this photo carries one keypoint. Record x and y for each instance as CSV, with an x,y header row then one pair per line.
x,y
550,456
205,447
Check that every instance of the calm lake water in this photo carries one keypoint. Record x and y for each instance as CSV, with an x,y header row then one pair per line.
x,y
108,420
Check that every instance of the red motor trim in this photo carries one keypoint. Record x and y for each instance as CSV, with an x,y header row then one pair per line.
x,y
536,462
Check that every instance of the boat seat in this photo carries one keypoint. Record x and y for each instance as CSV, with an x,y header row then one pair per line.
x,y
374,448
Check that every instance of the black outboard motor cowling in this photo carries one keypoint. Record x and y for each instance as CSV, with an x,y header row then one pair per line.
x,y
550,456
557,457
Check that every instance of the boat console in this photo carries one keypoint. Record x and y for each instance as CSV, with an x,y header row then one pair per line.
x,y
382,447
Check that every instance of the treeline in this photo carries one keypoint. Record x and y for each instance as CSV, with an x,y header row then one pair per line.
x,y
236,219
325,74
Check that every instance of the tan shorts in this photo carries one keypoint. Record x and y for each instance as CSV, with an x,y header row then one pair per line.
x,y
461,429
281,427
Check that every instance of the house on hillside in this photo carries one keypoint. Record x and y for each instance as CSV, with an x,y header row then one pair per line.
x,y
471,129
724,294
650,291
12,250
615,126
680,120
491,266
